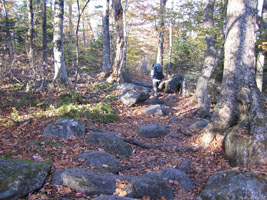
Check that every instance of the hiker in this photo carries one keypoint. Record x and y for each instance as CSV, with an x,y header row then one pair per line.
x,y
157,76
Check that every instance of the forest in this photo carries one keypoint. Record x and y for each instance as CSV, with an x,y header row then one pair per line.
x,y
83,117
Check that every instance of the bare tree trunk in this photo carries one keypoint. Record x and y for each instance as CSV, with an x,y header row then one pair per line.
x,y
170,50
239,70
161,32
59,60
261,55
44,39
125,33
30,31
209,62
9,43
84,38
106,38
118,66
70,36
80,12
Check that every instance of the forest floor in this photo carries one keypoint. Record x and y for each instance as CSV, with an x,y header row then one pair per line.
x,y
21,136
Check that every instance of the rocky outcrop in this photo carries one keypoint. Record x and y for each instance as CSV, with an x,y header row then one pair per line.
x,y
172,85
152,130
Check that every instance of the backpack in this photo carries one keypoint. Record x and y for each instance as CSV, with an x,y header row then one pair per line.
x,y
156,72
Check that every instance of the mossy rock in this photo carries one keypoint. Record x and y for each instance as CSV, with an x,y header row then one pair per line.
x,y
21,177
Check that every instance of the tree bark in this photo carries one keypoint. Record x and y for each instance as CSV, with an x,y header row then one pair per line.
x,y
170,50
261,55
44,27
9,43
59,60
125,34
106,38
30,33
70,35
119,65
161,32
239,73
209,62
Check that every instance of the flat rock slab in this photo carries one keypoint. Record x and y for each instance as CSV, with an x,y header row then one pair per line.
x,y
103,161
152,130
64,128
86,181
234,185
21,177
150,184
157,110
110,142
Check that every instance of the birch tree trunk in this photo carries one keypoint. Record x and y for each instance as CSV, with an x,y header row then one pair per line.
x,y
8,40
30,31
202,93
261,55
125,34
161,32
59,60
240,101
70,36
44,27
119,65
106,38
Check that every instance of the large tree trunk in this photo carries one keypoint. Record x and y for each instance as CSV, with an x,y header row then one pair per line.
x,y
161,32
119,65
8,41
59,60
30,31
125,34
209,62
240,100
71,36
106,38
170,48
44,39
261,55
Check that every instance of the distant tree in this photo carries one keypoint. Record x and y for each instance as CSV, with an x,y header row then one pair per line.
x,y
44,29
106,67
170,39
8,35
240,101
262,47
30,34
59,60
118,65
161,30
209,61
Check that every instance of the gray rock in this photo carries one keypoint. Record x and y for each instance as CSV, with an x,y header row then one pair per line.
x,y
132,94
110,142
85,181
107,197
179,175
175,135
172,85
150,184
157,110
199,124
64,128
21,177
102,161
152,130
184,165
234,185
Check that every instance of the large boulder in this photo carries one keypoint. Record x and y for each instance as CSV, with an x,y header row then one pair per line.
x,y
152,130
234,185
110,142
157,110
86,181
172,85
151,185
132,94
103,161
21,177
64,128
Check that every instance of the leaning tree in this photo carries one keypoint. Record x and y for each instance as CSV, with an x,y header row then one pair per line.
x,y
239,114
